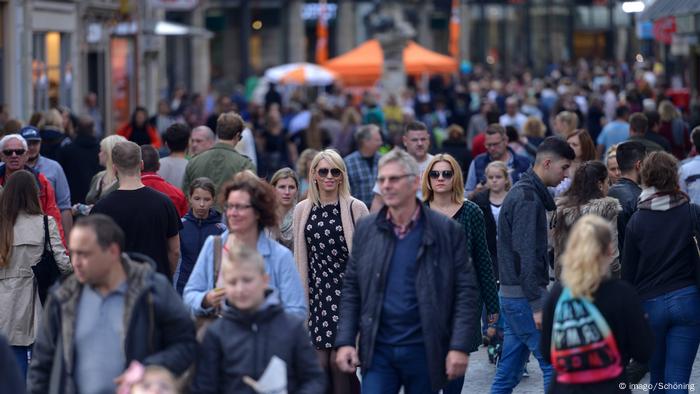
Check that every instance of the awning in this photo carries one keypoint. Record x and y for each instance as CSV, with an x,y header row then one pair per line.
x,y
165,28
663,8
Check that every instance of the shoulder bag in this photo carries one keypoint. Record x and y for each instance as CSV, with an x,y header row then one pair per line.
x,y
203,322
46,270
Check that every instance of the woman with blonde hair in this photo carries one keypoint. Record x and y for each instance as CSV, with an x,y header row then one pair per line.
x,y
443,191
614,172
52,133
104,182
323,227
286,184
592,324
534,130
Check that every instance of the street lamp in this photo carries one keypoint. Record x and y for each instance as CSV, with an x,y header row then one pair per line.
x,y
633,7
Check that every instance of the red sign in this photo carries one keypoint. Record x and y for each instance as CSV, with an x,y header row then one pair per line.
x,y
664,29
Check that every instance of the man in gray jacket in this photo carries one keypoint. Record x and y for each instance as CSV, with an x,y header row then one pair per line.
x,y
523,263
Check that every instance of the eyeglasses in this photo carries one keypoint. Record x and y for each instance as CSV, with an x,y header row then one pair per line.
x,y
17,152
323,172
237,207
391,179
494,144
447,174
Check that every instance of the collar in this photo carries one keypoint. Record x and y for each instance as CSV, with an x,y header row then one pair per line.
x,y
402,230
223,145
150,175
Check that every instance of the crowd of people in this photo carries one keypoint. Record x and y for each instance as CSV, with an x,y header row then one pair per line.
x,y
331,243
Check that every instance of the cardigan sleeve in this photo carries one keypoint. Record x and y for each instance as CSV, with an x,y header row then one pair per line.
x,y
475,229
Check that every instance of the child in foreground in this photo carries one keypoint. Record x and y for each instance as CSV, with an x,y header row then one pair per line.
x,y
237,349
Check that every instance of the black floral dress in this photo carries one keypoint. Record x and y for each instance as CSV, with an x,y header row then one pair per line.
x,y
328,255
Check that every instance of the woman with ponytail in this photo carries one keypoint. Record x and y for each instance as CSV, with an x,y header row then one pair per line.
x,y
587,194
592,324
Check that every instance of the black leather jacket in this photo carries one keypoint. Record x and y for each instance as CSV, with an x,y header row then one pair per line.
x,y
446,289
627,193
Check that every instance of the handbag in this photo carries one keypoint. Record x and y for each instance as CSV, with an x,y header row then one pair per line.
x,y
202,322
46,270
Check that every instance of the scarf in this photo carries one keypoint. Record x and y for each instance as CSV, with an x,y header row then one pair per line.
x,y
654,200
286,226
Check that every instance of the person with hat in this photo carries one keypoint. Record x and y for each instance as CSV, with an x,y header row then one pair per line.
x,y
52,171
13,153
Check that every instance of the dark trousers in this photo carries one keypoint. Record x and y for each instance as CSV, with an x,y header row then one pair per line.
x,y
396,366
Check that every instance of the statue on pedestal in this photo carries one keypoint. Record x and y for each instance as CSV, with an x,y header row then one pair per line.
x,y
389,26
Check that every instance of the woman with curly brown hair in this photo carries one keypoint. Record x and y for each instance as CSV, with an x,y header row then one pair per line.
x,y
660,260
250,207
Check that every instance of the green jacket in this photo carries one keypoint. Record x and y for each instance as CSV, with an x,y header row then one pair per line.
x,y
220,164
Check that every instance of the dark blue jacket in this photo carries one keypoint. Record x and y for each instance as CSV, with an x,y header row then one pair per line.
x,y
520,166
446,289
192,236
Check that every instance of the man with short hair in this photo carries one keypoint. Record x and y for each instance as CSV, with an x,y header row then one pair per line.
x,y
52,171
150,178
363,164
626,190
614,132
639,125
497,149
222,161
111,312
172,167
409,291
149,219
523,264
689,173
202,138
13,152
416,140
513,116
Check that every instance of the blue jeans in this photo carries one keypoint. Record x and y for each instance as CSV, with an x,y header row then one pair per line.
x,y
675,320
396,366
22,355
521,338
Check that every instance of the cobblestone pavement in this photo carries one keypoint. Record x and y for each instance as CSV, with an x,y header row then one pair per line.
x,y
480,375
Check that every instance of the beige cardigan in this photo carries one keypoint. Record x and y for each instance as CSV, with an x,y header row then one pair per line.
x,y
301,215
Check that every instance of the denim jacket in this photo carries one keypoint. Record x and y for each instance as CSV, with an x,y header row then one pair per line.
x,y
279,263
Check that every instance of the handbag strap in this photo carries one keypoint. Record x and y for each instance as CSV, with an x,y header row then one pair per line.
x,y
217,257
47,237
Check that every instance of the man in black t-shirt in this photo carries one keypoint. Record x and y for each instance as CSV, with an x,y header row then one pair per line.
x,y
149,219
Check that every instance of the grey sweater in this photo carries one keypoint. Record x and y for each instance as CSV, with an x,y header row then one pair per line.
x,y
522,241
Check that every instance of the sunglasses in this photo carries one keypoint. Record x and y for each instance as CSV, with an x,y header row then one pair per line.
x,y
17,152
323,172
447,174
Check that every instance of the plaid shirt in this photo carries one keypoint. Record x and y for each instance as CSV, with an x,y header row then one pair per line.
x,y
402,230
362,177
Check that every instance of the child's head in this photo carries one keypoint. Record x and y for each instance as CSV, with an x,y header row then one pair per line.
x,y
155,380
497,179
245,278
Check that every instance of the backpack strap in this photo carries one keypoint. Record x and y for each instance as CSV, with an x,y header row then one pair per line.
x,y
352,214
217,257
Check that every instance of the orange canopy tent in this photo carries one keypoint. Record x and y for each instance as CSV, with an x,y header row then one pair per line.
x,y
362,66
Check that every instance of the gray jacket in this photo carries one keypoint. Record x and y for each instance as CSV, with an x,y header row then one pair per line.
x,y
523,262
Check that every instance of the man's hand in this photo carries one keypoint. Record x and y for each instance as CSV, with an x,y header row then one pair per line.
x,y
346,359
456,364
537,317
213,298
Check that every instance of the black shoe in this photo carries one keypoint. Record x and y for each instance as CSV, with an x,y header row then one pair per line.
x,y
636,371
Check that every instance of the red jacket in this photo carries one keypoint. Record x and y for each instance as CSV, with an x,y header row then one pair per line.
x,y
126,130
154,181
47,198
